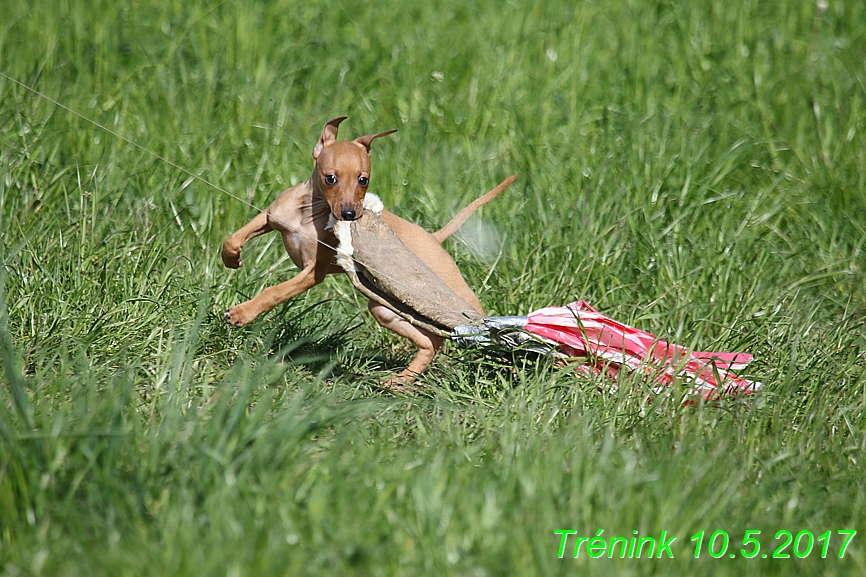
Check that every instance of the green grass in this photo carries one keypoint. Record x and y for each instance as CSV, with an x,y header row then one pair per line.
x,y
696,169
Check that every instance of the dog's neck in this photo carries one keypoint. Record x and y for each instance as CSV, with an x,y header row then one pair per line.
x,y
315,203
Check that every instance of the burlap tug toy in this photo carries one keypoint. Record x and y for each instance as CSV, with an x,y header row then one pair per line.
x,y
386,271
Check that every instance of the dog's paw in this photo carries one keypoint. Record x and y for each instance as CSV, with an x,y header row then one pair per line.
x,y
231,256
403,382
393,386
232,261
238,317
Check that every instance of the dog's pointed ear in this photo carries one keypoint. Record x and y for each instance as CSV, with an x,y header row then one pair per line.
x,y
366,140
329,135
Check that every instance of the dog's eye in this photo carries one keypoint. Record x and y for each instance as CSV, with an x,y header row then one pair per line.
x,y
330,179
363,181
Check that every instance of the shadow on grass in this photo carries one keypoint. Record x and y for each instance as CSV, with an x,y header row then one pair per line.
x,y
311,335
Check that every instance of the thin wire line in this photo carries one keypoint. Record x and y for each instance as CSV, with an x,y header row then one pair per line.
x,y
128,141
211,184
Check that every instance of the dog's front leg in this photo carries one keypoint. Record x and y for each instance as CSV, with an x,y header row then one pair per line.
x,y
232,246
245,313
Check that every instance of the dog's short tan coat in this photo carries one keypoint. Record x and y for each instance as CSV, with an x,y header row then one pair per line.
x,y
337,187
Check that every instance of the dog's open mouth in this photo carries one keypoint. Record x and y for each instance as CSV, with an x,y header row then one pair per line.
x,y
371,202
334,219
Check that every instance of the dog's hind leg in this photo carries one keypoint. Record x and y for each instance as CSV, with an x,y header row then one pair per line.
x,y
426,342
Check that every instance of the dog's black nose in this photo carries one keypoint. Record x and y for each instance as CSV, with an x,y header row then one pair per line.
x,y
348,214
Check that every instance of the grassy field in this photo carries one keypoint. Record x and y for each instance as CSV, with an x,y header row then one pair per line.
x,y
696,169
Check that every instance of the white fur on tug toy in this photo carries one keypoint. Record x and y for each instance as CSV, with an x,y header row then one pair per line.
x,y
343,232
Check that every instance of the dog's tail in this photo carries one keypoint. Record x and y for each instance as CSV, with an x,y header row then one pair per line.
x,y
450,228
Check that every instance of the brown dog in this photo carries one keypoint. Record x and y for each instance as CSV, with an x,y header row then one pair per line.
x,y
301,214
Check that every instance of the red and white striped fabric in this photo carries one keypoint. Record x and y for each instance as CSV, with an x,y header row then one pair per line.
x,y
607,345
